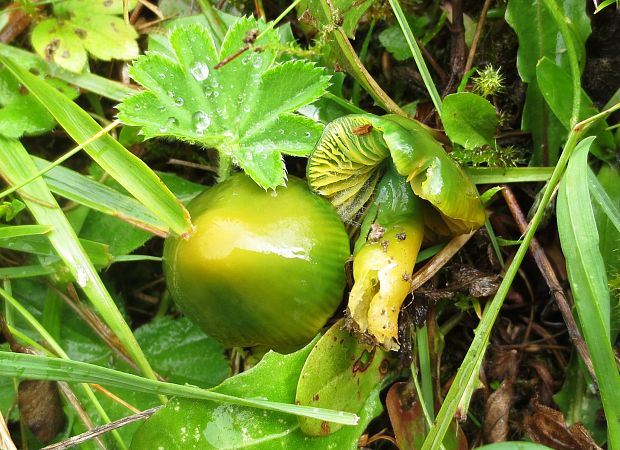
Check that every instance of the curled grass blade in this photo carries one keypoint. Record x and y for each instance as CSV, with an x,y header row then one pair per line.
x,y
44,368
16,166
133,174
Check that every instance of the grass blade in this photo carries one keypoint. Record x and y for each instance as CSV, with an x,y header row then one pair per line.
x,y
417,55
131,172
586,272
16,166
44,368
23,230
85,191
502,175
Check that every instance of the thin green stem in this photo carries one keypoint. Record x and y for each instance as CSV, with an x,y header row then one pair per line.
x,y
345,104
224,166
357,87
278,19
417,55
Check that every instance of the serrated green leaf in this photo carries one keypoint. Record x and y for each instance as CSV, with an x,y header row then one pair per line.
x,y
122,165
85,26
244,108
469,120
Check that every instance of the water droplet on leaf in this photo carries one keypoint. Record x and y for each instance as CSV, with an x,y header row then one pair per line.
x,y
200,71
200,121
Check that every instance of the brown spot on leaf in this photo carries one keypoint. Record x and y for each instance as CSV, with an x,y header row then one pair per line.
x,y
316,397
401,236
362,130
324,427
80,33
51,48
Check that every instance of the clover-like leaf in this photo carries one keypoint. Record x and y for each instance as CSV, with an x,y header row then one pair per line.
x,y
20,112
82,26
243,108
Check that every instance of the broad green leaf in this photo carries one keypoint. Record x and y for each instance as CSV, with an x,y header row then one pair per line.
x,y
81,27
586,273
340,373
133,174
184,424
16,166
557,89
393,39
182,353
23,114
469,120
244,108
540,36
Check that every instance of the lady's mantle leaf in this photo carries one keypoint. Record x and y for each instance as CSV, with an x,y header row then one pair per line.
x,y
20,112
244,108
85,26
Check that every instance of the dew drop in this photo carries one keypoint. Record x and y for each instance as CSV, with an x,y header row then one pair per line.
x,y
162,108
179,101
201,122
216,93
257,63
246,109
162,75
200,71
281,131
172,122
245,60
308,134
